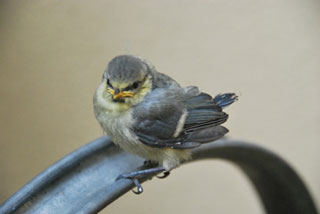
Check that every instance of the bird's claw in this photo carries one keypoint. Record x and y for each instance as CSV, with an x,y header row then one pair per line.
x,y
133,176
164,175
138,185
134,180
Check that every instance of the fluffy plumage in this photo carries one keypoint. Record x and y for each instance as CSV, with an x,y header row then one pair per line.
x,y
162,121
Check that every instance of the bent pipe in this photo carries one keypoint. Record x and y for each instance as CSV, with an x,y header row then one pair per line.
x,y
84,180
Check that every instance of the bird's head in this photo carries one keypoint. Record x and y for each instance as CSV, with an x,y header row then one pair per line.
x,y
126,81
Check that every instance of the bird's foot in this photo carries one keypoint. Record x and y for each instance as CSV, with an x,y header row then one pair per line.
x,y
134,176
152,164
164,175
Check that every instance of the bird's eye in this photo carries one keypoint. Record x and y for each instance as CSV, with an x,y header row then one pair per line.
x,y
109,84
135,85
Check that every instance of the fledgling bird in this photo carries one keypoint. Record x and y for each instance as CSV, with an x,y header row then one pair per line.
x,y
149,114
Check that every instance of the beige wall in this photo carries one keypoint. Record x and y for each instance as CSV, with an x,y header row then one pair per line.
x,y
53,54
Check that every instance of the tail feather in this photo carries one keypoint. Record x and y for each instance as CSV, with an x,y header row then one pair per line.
x,y
223,100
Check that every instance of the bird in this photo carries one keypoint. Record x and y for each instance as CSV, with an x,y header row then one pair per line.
x,y
149,114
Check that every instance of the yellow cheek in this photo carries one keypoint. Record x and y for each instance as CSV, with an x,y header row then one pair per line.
x,y
111,91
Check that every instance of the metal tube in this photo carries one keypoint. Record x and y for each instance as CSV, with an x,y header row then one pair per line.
x,y
84,180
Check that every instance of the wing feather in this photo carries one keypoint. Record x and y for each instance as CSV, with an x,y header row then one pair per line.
x,y
158,115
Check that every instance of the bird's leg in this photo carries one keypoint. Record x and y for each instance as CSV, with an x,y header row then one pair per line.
x,y
151,164
139,174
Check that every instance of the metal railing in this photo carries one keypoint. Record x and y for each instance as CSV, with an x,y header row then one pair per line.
x,y
84,180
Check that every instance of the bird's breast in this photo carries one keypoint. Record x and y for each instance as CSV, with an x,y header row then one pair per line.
x,y
118,126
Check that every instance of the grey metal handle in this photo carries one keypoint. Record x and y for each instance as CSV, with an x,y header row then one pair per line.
x,y
84,181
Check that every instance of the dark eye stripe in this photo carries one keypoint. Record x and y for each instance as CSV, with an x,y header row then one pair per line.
x,y
109,84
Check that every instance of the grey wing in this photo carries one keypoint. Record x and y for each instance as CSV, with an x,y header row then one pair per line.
x,y
157,118
196,117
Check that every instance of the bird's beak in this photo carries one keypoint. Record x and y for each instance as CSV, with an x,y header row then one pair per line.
x,y
123,94
120,94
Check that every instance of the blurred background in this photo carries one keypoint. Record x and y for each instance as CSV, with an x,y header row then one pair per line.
x,y
53,54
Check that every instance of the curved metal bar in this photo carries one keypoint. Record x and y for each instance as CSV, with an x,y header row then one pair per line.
x,y
280,188
84,181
